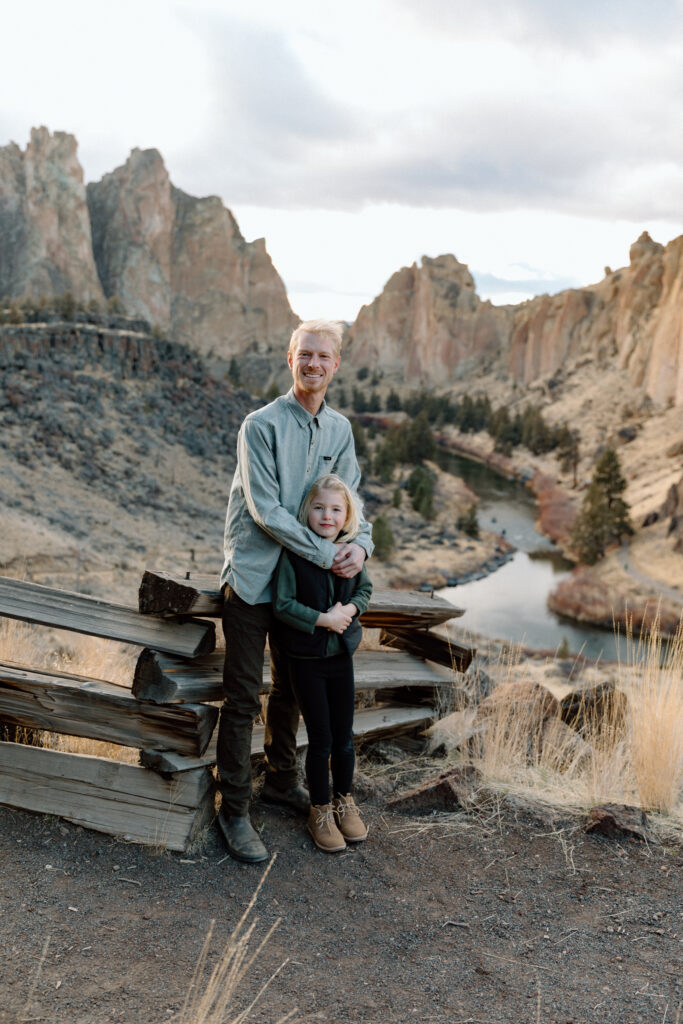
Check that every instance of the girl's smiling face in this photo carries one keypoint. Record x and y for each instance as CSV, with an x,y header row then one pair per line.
x,y
328,513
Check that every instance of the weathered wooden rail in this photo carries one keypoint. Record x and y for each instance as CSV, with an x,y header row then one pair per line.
x,y
167,714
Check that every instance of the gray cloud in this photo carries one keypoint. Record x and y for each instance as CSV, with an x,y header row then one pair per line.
x,y
282,140
581,24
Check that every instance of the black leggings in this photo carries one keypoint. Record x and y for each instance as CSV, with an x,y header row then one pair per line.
x,y
324,691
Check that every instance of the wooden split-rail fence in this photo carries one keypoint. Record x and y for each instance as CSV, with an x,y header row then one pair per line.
x,y
167,713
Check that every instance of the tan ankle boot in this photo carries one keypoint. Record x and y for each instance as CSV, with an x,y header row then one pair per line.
x,y
321,825
348,819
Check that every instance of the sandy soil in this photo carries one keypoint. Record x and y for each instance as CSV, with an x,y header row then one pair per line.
x,y
501,916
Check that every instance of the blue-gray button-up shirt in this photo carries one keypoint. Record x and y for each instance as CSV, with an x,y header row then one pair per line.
x,y
281,450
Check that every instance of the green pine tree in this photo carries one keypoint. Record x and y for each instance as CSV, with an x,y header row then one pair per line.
x,y
604,515
359,438
234,374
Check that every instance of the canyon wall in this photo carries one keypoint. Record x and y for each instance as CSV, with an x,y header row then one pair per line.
x,y
429,325
179,262
182,263
45,239
634,316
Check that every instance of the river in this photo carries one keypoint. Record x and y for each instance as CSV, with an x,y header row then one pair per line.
x,y
510,604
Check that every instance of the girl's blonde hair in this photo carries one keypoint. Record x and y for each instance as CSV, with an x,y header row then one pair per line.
x,y
354,509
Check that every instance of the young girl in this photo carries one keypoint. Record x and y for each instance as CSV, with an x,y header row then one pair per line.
x,y
319,630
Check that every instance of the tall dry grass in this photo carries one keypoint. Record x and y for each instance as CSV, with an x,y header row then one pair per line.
x,y
56,650
631,752
210,1000
656,721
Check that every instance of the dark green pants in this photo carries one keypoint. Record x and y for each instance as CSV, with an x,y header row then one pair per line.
x,y
246,628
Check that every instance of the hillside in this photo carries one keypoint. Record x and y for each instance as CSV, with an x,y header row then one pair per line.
x,y
116,452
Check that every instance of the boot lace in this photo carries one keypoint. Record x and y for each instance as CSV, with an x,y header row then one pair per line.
x,y
347,806
325,818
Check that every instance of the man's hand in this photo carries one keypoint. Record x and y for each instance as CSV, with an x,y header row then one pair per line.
x,y
338,618
348,561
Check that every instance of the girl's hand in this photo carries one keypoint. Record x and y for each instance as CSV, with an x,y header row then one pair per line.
x,y
336,619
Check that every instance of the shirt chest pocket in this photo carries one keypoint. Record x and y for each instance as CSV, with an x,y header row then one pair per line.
x,y
318,466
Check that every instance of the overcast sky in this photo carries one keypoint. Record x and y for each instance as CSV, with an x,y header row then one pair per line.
x,y
534,139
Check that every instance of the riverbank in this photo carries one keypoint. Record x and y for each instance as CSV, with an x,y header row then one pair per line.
x,y
630,587
432,553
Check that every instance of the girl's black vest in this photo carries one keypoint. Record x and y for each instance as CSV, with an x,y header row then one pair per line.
x,y
312,590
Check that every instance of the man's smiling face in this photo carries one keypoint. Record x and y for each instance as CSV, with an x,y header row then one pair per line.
x,y
313,363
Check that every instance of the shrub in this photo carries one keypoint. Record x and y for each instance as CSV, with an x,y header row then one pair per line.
x,y
421,490
393,402
383,538
468,522
66,305
359,438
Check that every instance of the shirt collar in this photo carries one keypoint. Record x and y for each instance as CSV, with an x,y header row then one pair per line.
x,y
302,416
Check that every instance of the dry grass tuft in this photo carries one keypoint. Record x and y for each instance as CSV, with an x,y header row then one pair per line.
x,y
51,650
210,1001
629,750
656,713
58,650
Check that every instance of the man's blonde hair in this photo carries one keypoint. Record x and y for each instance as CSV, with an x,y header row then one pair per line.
x,y
332,482
331,329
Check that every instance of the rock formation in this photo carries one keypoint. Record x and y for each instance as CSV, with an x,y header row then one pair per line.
x,y
179,262
428,324
633,316
182,263
132,215
673,507
226,292
44,224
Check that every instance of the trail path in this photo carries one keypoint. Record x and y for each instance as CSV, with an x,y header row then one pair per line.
x,y
673,593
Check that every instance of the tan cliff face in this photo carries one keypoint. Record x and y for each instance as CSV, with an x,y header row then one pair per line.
x,y
182,263
428,324
177,261
44,224
131,211
634,317
227,294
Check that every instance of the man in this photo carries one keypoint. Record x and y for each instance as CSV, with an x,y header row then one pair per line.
x,y
281,450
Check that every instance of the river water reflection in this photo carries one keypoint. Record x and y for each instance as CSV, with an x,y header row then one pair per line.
x,y
510,604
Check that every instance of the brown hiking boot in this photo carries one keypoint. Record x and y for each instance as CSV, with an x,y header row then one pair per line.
x,y
348,819
325,833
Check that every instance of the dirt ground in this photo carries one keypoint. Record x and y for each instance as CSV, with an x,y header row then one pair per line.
x,y
501,916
